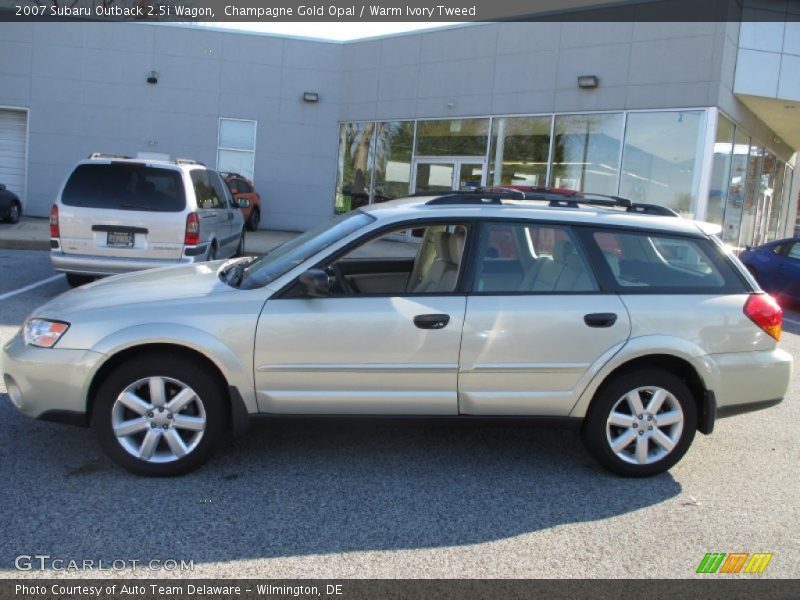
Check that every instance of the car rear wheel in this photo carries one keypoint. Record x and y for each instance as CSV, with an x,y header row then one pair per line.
x,y
254,220
212,252
14,213
75,280
641,424
159,416
240,247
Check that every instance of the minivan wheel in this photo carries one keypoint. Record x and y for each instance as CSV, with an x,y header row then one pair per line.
x,y
212,252
159,416
76,280
254,220
641,424
240,247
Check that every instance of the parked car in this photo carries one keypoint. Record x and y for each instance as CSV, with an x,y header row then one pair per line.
x,y
406,308
776,266
116,214
246,197
10,205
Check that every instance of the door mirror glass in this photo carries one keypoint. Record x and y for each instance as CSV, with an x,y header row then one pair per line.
x,y
315,283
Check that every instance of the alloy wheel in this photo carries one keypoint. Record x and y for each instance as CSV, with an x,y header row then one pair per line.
x,y
644,425
158,419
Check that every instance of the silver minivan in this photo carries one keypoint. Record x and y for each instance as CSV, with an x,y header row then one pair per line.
x,y
117,214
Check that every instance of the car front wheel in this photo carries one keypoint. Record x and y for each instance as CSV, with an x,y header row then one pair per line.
x,y
159,416
641,424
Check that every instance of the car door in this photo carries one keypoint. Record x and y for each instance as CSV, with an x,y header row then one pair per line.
x,y
786,271
390,349
537,325
209,209
230,217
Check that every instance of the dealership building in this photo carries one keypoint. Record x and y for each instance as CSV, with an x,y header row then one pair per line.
x,y
703,118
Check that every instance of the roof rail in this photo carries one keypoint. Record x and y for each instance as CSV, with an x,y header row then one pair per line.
x,y
187,161
651,209
468,198
96,155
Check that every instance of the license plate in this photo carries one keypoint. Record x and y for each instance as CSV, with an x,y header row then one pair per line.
x,y
123,239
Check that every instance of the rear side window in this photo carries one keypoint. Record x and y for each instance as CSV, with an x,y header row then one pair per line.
x,y
205,193
125,187
644,261
531,258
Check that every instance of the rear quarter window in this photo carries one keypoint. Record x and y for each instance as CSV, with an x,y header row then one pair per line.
x,y
649,262
125,187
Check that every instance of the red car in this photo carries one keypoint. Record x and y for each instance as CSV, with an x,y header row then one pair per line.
x,y
247,197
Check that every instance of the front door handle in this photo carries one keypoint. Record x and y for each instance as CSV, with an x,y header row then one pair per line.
x,y
600,319
431,321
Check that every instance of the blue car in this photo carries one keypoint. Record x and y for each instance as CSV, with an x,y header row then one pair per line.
x,y
776,266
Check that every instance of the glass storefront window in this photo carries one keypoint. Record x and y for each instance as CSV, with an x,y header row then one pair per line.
x,y
764,197
776,207
586,152
356,161
720,172
736,188
751,195
452,137
393,151
520,150
661,158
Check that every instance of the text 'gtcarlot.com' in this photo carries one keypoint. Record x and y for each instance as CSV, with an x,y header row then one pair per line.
x,y
45,562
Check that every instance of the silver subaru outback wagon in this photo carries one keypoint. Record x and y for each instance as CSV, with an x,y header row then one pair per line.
x,y
637,330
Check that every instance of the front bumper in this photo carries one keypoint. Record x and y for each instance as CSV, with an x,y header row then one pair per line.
x,y
47,380
110,265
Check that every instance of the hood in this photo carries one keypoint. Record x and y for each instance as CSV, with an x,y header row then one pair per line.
x,y
141,287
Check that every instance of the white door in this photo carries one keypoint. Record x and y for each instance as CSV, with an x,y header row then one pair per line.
x,y
13,142
439,175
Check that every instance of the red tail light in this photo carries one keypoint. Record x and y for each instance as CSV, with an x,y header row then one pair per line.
x,y
192,230
54,232
763,310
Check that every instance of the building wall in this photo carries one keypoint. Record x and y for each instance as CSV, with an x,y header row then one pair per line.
x,y
85,87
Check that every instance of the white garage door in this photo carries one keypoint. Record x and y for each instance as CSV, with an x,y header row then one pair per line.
x,y
13,139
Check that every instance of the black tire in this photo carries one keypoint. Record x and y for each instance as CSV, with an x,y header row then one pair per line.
x,y
212,252
76,280
208,389
14,212
240,247
254,219
596,436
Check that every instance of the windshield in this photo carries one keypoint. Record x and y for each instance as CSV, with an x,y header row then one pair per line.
x,y
298,250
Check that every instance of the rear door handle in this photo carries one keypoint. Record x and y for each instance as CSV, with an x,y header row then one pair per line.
x,y
431,321
600,319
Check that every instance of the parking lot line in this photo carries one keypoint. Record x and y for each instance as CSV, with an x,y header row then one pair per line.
x,y
22,290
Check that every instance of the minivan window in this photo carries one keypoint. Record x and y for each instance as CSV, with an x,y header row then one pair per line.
x,y
122,186
641,261
206,195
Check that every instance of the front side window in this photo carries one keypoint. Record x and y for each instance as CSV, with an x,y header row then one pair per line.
x,y
531,258
642,262
423,259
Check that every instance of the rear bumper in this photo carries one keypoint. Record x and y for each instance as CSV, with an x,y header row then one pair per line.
x,y
111,265
748,381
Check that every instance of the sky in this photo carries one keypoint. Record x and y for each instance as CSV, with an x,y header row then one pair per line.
x,y
331,31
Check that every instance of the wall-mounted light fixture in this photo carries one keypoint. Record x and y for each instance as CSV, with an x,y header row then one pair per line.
x,y
310,97
152,78
588,82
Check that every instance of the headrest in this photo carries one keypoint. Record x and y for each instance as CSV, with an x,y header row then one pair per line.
x,y
441,241
562,250
457,240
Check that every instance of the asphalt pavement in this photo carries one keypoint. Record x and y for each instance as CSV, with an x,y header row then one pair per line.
x,y
405,499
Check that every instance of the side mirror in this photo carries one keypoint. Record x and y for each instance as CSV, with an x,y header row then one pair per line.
x,y
316,283
242,202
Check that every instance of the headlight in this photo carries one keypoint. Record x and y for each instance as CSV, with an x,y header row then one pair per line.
x,y
43,333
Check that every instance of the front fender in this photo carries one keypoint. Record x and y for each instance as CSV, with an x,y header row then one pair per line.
x,y
645,346
236,374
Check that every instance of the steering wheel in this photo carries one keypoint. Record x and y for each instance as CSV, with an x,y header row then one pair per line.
x,y
341,281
